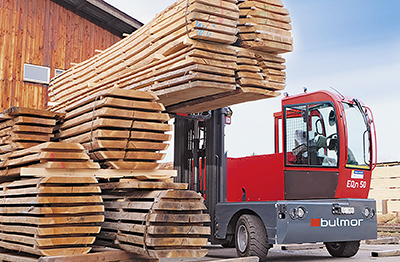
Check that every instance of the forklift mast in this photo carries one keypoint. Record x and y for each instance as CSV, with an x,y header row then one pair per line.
x,y
199,149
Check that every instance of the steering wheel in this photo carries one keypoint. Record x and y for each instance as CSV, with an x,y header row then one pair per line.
x,y
332,135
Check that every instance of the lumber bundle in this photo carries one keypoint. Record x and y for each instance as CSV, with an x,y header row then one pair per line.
x,y
50,216
121,129
187,56
264,25
55,155
154,218
22,127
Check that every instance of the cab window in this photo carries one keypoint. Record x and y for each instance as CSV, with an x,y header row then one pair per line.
x,y
311,135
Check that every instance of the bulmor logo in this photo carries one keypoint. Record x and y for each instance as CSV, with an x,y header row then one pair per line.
x,y
320,222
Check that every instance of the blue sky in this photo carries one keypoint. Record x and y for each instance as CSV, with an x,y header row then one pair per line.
x,y
352,45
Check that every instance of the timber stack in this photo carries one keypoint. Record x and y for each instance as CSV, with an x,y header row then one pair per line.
x,y
196,55
52,201
121,129
50,216
154,218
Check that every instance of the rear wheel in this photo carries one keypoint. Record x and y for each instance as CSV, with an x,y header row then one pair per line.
x,y
251,237
343,249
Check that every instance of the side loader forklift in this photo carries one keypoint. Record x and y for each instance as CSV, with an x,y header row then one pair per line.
x,y
314,188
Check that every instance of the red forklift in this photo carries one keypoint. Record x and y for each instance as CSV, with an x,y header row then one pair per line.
x,y
314,188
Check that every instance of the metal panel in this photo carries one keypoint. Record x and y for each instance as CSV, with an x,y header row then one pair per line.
x,y
310,184
321,225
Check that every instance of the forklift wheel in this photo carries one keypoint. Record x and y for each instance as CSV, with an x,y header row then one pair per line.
x,y
343,249
251,237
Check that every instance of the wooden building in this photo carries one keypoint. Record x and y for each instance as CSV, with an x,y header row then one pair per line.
x,y
40,38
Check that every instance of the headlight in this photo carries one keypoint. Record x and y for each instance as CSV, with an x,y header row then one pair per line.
x,y
368,212
299,212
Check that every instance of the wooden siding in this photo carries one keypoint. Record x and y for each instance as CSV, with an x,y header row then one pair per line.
x,y
41,32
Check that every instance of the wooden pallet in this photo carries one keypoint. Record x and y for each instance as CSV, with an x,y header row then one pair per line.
x,y
154,219
121,129
50,216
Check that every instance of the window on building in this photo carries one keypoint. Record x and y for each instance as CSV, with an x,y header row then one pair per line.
x,y
36,74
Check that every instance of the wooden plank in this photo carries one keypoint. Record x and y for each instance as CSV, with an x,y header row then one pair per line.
x,y
65,220
254,11
179,230
65,251
88,176
115,92
128,205
386,253
127,227
264,6
65,241
116,113
32,129
176,241
51,190
126,155
17,111
243,94
142,184
103,254
266,36
48,231
132,216
117,103
128,145
186,218
267,46
179,253
51,200
107,123
181,205
261,17
26,120
250,26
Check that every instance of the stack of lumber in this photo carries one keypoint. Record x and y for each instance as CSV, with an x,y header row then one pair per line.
x,y
265,26
121,129
50,216
153,218
48,155
385,187
22,127
185,55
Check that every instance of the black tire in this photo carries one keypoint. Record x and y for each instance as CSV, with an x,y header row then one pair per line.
x,y
343,249
251,237
229,244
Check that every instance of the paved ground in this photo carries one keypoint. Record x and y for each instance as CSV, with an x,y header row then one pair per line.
x,y
276,254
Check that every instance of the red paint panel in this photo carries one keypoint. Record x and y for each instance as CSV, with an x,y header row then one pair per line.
x,y
261,176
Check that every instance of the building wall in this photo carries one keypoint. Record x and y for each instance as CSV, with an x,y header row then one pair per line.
x,y
43,33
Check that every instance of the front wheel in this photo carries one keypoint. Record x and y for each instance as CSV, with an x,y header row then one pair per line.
x,y
251,237
343,249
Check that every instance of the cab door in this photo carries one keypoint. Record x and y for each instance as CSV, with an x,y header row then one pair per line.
x,y
311,147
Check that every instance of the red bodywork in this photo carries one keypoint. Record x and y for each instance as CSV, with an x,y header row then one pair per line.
x,y
263,176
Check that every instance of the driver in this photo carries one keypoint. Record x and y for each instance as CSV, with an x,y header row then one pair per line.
x,y
330,142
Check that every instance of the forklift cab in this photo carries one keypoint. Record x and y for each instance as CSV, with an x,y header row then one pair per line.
x,y
327,142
